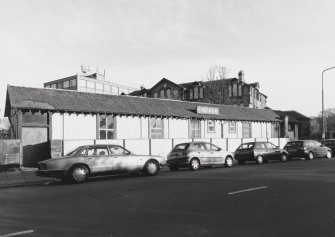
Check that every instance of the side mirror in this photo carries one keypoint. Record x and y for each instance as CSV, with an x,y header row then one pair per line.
x,y
277,147
220,149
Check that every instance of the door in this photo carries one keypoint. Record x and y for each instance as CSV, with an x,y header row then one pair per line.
x,y
35,145
123,160
98,159
272,152
203,153
216,154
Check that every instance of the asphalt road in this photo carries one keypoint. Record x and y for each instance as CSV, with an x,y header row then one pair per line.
x,y
296,198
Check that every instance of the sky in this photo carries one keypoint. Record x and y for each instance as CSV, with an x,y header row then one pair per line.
x,y
283,45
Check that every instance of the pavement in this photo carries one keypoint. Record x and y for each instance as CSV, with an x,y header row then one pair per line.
x,y
20,178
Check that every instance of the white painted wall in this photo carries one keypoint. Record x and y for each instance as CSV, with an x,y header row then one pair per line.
x,y
79,126
57,126
145,127
256,130
178,128
128,127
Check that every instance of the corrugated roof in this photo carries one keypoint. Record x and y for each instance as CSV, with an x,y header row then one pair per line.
x,y
82,102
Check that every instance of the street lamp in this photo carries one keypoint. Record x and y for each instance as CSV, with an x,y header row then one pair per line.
x,y
323,108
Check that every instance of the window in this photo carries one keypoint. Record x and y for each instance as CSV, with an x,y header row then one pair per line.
x,y
59,85
107,88
162,94
246,146
213,147
90,85
199,146
97,151
47,86
195,128
155,94
232,127
201,92
275,130
246,130
260,145
168,93
66,84
242,105
234,89
82,83
191,94
156,128
211,126
269,145
73,82
145,95
229,91
240,90
196,93
106,127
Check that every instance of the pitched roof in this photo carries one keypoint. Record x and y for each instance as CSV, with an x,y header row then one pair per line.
x,y
82,102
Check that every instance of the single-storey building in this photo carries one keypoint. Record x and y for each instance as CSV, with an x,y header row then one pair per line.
x,y
40,116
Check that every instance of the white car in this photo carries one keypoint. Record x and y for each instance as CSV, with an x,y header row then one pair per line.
x,y
196,154
92,160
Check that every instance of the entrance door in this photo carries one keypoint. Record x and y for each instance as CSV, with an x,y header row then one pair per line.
x,y
35,145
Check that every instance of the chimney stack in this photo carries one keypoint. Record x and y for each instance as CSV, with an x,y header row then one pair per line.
x,y
241,76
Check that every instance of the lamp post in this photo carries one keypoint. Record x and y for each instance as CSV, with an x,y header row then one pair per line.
x,y
323,108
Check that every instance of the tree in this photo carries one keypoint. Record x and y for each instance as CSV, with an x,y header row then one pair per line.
x,y
316,123
214,85
4,128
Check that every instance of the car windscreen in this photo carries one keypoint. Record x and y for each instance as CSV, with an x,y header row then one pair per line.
x,y
294,144
181,147
75,151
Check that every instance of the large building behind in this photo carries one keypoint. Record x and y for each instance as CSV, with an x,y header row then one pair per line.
x,y
232,91
88,81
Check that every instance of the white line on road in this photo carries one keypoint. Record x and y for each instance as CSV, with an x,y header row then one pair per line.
x,y
18,233
248,190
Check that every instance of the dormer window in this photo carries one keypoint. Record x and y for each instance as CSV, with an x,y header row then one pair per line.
x,y
191,94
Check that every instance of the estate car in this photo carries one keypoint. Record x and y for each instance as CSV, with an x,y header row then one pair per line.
x,y
307,149
197,154
260,152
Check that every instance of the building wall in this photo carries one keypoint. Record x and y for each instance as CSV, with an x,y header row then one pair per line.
x,y
128,127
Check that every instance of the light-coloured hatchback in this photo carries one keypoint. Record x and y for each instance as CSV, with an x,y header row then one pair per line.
x,y
197,154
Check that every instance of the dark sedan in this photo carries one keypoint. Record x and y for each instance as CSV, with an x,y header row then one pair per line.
x,y
307,149
260,152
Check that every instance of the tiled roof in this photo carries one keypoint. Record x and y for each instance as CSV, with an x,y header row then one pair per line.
x,y
83,102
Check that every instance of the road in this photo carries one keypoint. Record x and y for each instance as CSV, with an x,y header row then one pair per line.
x,y
296,198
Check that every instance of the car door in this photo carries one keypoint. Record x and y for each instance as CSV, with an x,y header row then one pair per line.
x,y
99,159
123,160
203,153
217,154
260,149
272,151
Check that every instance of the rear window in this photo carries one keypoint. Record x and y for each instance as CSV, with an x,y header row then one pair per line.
x,y
327,143
294,144
181,147
246,146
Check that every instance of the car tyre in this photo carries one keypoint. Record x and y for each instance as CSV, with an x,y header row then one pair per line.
x,y
283,157
310,156
229,162
329,155
78,173
151,168
259,159
194,164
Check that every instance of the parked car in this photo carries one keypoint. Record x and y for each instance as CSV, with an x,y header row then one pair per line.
x,y
307,149
92,160
260,152
331,144
197,154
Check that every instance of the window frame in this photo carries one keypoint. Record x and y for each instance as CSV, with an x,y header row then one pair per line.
x,y
232,127
193,131
153,130
244,129
209,126
99,129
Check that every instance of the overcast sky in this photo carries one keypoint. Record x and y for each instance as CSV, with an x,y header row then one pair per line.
x,y
283,45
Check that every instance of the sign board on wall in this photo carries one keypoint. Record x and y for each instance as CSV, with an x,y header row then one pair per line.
x,y
207,110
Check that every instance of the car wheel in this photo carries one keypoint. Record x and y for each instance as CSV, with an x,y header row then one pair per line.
x,y
283,157
151,168
329,155
310,156
259,159
79,173
194,164
174,168
241,162
229,161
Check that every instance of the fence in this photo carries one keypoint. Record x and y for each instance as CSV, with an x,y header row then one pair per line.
x,y
10,152
159,147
